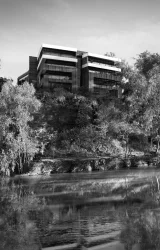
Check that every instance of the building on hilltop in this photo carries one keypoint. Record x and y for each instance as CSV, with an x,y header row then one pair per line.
x,y
73,70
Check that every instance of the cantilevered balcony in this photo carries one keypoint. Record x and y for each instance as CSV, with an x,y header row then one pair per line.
x,y
113,59
56,58
58,54
52,67
101,66
51,81
98,62
50,49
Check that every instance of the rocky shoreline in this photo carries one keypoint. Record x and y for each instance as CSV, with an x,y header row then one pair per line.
x,y
47,166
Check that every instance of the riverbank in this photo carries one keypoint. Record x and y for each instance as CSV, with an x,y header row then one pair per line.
x,y
89,164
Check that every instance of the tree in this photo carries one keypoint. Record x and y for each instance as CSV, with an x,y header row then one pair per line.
x,y
146,61
110,54
140,99
18,143
64,114
152,114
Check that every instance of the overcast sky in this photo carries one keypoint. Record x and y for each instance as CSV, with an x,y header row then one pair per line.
x,y
126,27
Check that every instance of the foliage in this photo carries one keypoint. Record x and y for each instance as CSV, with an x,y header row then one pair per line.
x,y
89,126
145,103
110,54
146,61
65,115
18,143
140,99
81,124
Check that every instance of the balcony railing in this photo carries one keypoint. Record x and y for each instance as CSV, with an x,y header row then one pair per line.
x,y
58,54
52,67
56,58
101,66
54,78
108,76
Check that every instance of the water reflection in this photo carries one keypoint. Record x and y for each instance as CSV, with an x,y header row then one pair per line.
x,y
28,221
142,228
17,231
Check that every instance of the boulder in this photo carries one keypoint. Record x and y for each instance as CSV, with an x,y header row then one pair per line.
x,y
37,168
88,167
142,164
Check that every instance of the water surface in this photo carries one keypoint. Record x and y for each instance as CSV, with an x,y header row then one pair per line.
x,y
80,211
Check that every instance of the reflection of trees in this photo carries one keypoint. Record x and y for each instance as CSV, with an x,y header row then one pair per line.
x,y
142,228
17,231
149,230
128,235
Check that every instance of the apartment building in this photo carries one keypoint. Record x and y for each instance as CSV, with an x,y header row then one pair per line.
x,y
73,70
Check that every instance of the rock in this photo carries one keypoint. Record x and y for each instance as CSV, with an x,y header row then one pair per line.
x,y
37,168
89,168
142,164
40,168
115,163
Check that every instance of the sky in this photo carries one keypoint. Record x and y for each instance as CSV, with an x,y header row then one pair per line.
x,y
125,27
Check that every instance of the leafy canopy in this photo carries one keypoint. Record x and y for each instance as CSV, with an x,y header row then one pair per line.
x,y
17,140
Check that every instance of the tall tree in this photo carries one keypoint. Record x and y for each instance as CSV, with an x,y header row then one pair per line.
x,y
17,140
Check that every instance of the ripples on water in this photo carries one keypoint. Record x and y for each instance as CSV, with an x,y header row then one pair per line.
x,y
36,213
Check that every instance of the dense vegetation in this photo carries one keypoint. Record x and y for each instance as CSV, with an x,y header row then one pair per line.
x,y
84,125
18,141
60,123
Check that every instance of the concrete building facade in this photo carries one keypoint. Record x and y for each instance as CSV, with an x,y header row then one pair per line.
x,y
73,70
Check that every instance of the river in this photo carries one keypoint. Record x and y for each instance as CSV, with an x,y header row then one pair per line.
x,y
81,211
